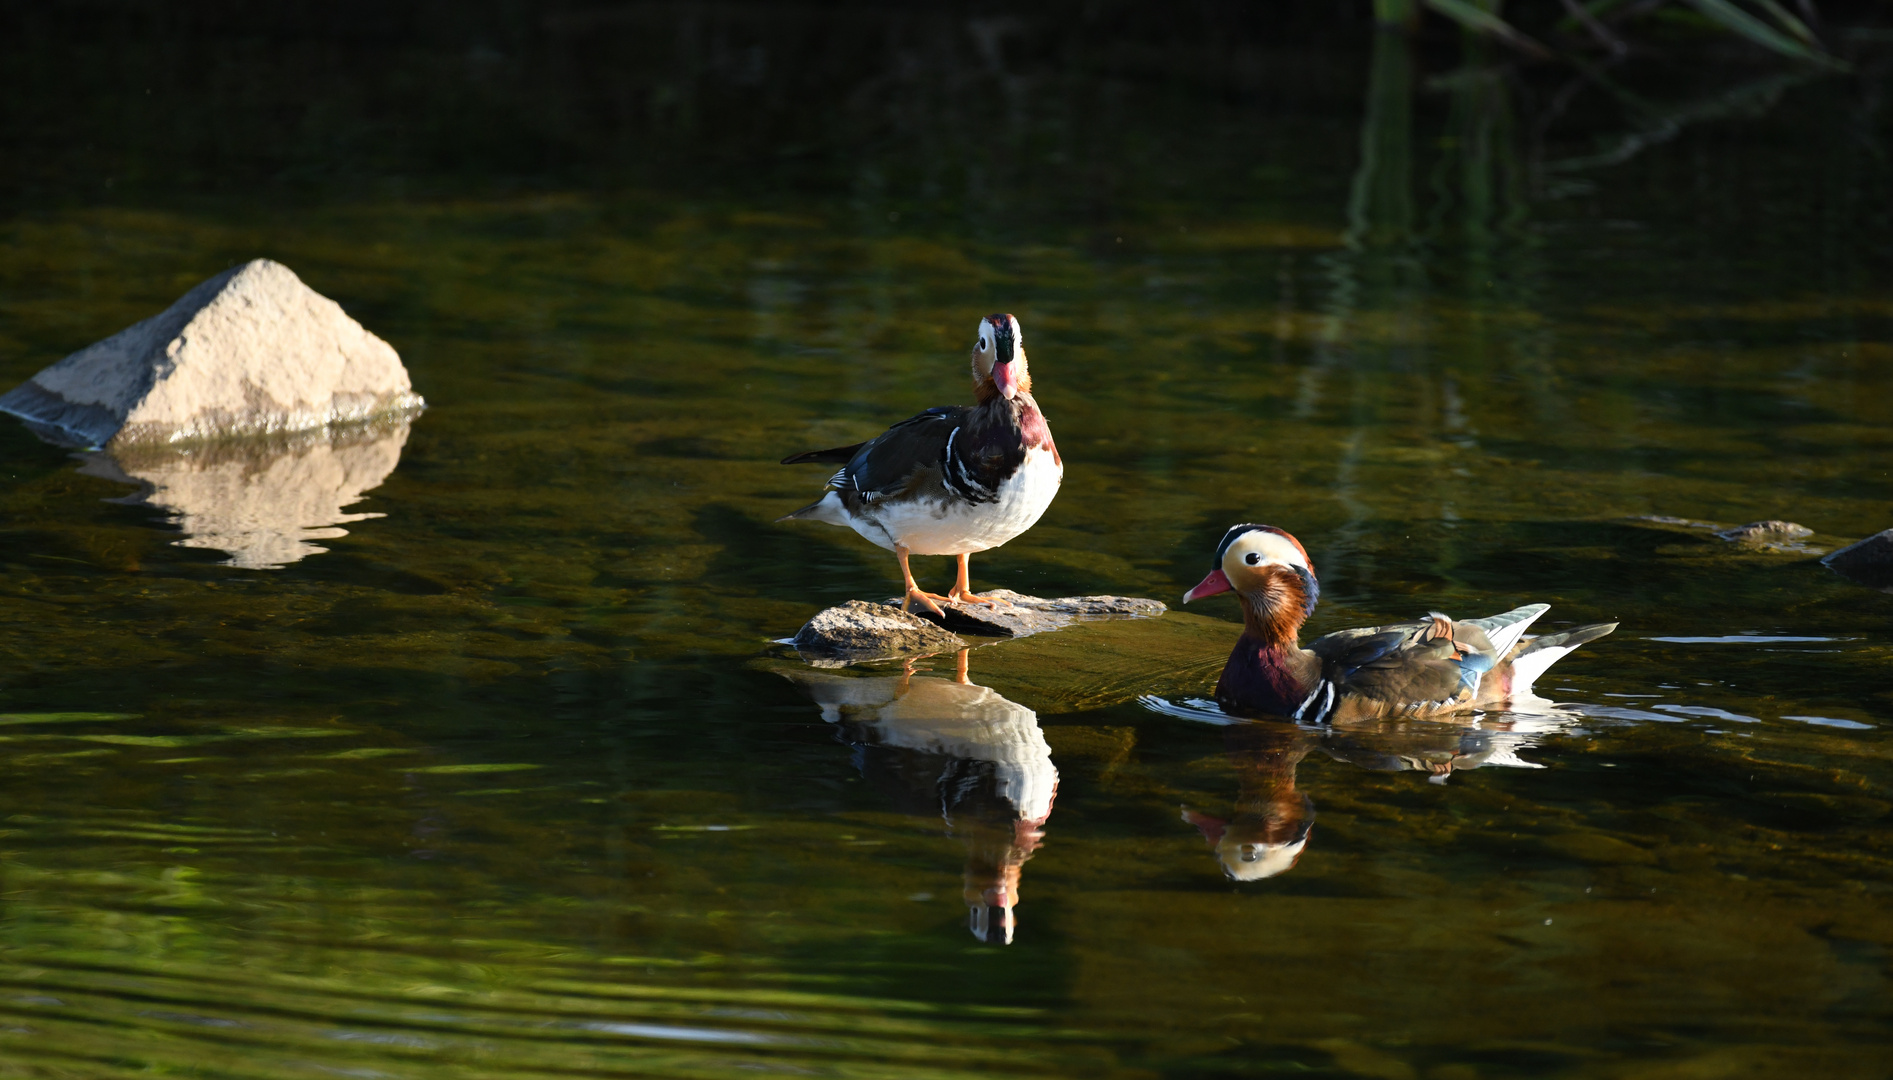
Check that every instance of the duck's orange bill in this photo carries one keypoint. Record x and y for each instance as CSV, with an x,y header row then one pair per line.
x,y
1216,582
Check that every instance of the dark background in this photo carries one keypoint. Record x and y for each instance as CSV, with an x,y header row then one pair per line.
x,y
978,103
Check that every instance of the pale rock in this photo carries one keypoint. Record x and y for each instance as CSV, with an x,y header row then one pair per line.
x,y
250,351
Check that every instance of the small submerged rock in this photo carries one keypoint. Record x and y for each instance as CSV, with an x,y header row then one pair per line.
x,y
1772,534
1772,531
1867,562
858,630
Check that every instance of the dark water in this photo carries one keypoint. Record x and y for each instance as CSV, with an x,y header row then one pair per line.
x,y
511,782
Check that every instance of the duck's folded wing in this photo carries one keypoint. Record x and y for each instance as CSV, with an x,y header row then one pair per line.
x,y
1407,679
1398,665
898,458
1346,651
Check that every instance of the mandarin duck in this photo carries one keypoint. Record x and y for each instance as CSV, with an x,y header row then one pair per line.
x,y
1431,667
952,480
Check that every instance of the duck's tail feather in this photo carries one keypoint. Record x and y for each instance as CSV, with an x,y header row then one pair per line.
x,y
1540,653
839,455
828,508
1507,627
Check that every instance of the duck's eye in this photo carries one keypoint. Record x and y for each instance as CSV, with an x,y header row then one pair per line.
x,y
1254,558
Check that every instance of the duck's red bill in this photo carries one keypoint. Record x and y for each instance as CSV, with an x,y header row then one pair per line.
x,y
1216,582
1005,379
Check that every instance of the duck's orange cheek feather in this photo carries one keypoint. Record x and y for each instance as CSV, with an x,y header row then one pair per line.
x,y
1264,580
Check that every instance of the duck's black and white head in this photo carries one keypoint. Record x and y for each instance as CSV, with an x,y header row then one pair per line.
x,y
1269,570
999,366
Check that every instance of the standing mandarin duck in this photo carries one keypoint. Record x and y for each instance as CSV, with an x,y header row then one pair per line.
x,y
953,480
1431,667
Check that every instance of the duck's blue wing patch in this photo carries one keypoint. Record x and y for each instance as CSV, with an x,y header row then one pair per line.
x,y
1472,668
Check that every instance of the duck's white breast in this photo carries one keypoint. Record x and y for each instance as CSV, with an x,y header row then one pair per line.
x,y
954,526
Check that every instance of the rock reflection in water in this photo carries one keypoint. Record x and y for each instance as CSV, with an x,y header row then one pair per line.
x,y
1270,827
262,501
950,747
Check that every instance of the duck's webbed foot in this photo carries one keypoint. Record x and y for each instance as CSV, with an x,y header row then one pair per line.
x,y
930,601
957,597
962,591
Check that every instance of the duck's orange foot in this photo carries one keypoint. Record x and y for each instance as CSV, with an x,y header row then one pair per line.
x,y
965,596
930,601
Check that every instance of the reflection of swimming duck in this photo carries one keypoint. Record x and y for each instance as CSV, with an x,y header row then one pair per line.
x,y
1428,667
1437,754
952,480
957,749
1269,829
1271,824
1439,750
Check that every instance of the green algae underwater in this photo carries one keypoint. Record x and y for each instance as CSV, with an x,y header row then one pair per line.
x,y
513,781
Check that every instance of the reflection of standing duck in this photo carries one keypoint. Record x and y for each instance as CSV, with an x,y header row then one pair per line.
x,y
957,749
1270,827
1429,667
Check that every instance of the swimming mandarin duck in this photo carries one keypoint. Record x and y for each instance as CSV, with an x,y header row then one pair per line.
x,y
953,480
1431,667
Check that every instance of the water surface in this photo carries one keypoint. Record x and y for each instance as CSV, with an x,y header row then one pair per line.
x,y
510,780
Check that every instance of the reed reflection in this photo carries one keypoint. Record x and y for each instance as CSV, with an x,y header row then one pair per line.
x,y
948,746
260,501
